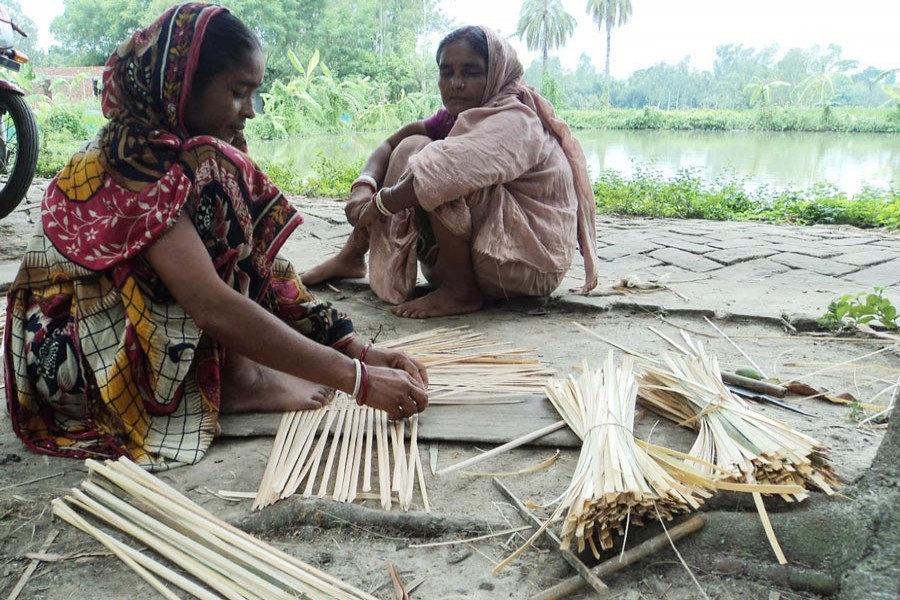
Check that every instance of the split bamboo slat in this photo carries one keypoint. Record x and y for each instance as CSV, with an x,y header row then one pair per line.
x,y
744,444
332,451
617,482
213,559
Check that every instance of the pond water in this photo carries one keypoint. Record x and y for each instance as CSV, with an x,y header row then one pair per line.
x,y
777,160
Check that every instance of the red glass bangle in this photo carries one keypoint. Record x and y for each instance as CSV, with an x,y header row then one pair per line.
x,y
343,343
364,353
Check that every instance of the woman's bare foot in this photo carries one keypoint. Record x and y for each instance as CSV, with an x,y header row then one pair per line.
x,y
250,387
343,265
439,303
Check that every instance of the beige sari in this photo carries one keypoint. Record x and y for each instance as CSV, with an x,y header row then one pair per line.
x,y
512,178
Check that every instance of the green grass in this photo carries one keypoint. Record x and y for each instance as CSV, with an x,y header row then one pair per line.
x,y
685,196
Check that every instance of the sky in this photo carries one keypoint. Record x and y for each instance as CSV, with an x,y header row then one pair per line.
x,y
669,30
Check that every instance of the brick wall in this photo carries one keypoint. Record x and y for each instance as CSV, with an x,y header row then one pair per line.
x,y
70,83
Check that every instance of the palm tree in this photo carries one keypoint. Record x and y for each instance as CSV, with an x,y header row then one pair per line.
x,y
820,87
761,90
609,14
544,25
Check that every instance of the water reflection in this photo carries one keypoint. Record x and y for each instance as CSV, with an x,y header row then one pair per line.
x,y
778,160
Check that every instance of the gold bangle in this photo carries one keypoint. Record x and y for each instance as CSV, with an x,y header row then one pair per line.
x,y
379,204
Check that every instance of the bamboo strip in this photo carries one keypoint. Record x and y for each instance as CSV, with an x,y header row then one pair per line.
x,y
520,441
461,364
617,481
238,565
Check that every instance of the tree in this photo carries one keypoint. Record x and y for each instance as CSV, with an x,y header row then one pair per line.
x,y
544,25
608,14
761,90
820,87
89,30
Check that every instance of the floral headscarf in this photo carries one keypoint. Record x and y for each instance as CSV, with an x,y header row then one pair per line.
x,y
126,188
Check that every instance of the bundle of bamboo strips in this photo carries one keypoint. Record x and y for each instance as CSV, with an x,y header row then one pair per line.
x,y
462,362
747,445
346,436
231,563
617,481
459,362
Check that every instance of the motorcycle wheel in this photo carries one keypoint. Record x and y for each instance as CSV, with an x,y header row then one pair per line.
x,y
18,150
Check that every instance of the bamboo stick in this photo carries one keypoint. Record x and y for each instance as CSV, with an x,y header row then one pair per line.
x,y
574,585
232,562
463,366
520,441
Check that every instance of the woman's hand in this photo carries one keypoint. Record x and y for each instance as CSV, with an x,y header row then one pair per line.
x,y
368,214
379,357
395,392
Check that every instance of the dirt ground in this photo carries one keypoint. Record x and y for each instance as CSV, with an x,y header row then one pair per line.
x,y
357,552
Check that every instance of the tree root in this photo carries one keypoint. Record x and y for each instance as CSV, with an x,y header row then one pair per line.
x,y
297,512
796,578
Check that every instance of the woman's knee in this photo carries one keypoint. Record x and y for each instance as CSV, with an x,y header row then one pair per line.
x,y
406,149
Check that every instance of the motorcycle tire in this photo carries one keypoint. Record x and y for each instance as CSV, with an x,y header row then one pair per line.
x,y
18,150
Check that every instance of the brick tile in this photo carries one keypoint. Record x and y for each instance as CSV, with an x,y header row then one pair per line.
x,y
685,260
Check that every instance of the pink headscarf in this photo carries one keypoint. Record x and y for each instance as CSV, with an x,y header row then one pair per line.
x,y
504,79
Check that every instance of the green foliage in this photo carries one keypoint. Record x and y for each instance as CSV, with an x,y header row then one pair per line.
x,y
858,309
89,30
332,178
66,122
769,118
544,25
550,88
314,100
685,196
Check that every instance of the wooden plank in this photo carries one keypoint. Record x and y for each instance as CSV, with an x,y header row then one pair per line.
x,y
485,424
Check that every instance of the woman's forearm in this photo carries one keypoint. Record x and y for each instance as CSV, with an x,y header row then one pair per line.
x,y
400,195
275,344
377,163
236,321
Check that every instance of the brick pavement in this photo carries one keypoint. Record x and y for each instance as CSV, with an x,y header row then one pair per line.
x,y
745,269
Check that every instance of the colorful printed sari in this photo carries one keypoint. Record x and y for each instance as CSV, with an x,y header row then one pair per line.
x,y
100,360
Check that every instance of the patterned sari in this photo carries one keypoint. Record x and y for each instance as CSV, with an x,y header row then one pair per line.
x,y
100,360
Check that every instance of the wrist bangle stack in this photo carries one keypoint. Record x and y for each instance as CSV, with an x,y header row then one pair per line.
x,y
379,204
365,180
358,383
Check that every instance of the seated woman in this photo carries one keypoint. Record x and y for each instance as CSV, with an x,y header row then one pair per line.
x,y
489,194
152,297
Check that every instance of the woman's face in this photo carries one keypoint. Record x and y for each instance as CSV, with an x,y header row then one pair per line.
x,y
222,109
463,76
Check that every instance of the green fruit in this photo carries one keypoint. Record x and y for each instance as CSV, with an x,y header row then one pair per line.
x,y
749,373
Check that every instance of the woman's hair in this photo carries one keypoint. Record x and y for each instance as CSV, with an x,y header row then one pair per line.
x,y
470,33
227,43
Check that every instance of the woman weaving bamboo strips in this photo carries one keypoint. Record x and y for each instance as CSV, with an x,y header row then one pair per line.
x,y
460,364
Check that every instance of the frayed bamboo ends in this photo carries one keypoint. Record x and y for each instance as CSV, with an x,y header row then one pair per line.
x,y
744,445
617,482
